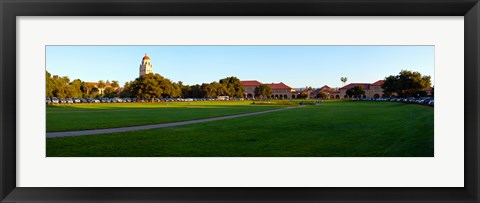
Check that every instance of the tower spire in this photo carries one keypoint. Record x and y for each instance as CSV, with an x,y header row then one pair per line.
x,y
145,66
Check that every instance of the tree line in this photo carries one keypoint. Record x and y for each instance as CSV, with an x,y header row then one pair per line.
x,y
62,87
405,84
148,86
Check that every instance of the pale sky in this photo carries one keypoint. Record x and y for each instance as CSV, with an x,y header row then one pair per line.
x,y
296,66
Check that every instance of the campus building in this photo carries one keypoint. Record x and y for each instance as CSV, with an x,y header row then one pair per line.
x,y
372,90
145,66
332,93
279,90
100,90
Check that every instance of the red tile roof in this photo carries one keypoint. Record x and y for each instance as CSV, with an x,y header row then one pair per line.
x,y
378,83
325,87
279,86
250,83
365,86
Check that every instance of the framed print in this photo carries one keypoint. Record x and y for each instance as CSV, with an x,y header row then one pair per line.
x,y
239,101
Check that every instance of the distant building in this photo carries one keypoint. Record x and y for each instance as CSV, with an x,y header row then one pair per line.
x,y
145,66
100,90
373,90
249,86
332,93
279,90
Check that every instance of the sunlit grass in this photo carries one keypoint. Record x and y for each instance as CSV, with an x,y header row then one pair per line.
x,y
330,129
109,115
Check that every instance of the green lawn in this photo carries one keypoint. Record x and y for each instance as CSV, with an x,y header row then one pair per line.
x,y
96,116
331,129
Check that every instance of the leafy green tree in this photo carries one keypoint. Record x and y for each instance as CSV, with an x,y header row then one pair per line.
x,y
219,89
114,84
186,91
127,90
86,89
356,92
322,95
94,93
196,91
148,86
110,92
176,90
263,91
74,90
233,87
207,90
50,86
406,83
60,85
302,95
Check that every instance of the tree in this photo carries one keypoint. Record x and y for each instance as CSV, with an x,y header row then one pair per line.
x,y
49,84
322,95
74,89
406,83
186,91
148,86
127,90
115,84
101,85
233,87
208,90
196,91
263,91
109,92
176,90
302,95
60,86
94,93
86,89
356,92
344,80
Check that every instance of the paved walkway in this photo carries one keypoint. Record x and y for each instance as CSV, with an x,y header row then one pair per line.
x,y
146,127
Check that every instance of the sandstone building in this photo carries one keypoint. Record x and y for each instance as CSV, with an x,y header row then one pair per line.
x,y
145,66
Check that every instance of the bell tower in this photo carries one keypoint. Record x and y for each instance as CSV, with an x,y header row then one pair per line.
x,y
145,67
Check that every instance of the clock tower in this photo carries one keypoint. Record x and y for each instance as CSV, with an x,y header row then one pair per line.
x,y
145,67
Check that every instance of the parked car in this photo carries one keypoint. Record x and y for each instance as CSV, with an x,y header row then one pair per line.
x,y
48,101
54,100
105,100
76,100
69,101
63,101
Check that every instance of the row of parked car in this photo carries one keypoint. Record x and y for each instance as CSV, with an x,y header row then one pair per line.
x,y
423,100
55,100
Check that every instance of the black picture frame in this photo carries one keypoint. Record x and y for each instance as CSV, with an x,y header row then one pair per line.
x,y
10,9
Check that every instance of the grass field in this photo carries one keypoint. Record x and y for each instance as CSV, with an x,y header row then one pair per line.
x,y
331,129
107,115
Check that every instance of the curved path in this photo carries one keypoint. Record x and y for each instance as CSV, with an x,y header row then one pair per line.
x,y
153,126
